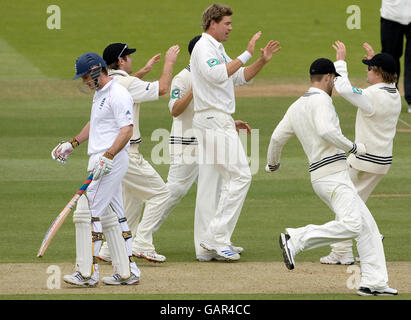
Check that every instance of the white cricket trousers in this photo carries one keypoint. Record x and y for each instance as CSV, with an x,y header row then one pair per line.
x,y
220,151
365,183
182,174
354,220
142,184
108,191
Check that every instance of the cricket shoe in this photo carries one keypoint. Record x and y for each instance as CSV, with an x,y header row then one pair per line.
x,y
364,291
104,254
222,251
151,256
211,256
239,250
116,280
288,252
335,258
78,280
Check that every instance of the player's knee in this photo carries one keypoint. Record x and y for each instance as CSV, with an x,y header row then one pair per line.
x,y
82,213
354,226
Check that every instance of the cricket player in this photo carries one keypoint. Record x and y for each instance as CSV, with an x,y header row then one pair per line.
x,y
214,75
183,170
108,133
379,107
312,118
141,182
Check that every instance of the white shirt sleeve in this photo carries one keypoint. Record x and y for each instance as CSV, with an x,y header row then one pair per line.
x,y
210,64
177,90
282,133
356,96
142,91
327,124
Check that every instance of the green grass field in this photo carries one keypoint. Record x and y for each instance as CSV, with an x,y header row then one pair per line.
x,y
40,106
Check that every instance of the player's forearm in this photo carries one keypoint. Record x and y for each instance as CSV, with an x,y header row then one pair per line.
x,y
347,91
83,134
181,104
122,139
141,73
165,78
251,71
233,66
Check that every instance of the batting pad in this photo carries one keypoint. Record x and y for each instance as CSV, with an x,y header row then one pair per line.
x,y
84,250
116,243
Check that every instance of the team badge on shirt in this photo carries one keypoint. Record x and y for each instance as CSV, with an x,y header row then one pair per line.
x,y
356,90
213,62
175,94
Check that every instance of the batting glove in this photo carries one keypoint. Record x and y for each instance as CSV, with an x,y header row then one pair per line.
x,y
103,166
359,149
63,150
271,168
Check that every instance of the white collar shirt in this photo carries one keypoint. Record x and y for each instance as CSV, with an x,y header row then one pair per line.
x,y
212,87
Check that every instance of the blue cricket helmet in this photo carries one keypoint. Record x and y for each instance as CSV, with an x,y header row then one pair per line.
x,y
86,62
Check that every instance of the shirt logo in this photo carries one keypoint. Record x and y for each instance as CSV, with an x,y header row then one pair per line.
x,y
356,90
102,103
213,62
128,115
175,94
148,86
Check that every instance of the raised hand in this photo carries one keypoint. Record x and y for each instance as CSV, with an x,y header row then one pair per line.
x,y
340,50
251,44
370,51
269,50
172,54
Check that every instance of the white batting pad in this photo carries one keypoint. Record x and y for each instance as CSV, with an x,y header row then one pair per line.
x,y
116,243
84,251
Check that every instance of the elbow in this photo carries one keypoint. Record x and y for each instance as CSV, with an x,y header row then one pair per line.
x,y
162,90
175,113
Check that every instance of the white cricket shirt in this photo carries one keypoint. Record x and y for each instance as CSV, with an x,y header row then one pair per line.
x,y
379,107
112,109
212,88
312,118
141,91
396,10
182,133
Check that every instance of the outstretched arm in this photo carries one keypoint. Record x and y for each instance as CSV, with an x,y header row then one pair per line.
x,y
147,68
354,95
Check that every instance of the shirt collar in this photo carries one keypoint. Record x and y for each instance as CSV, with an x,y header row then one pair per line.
x,y
117,72
213,41
108,85
312,89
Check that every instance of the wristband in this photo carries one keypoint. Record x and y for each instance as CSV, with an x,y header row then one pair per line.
x,y
74,143
244,57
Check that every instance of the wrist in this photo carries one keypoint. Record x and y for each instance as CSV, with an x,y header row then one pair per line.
x,y
74,143
244,57
108,155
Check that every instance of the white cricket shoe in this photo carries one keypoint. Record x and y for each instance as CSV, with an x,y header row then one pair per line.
x,y
152,256
223,251
211,256
104,254
409,108
364,291
116,280
239,250
335,258
78,280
